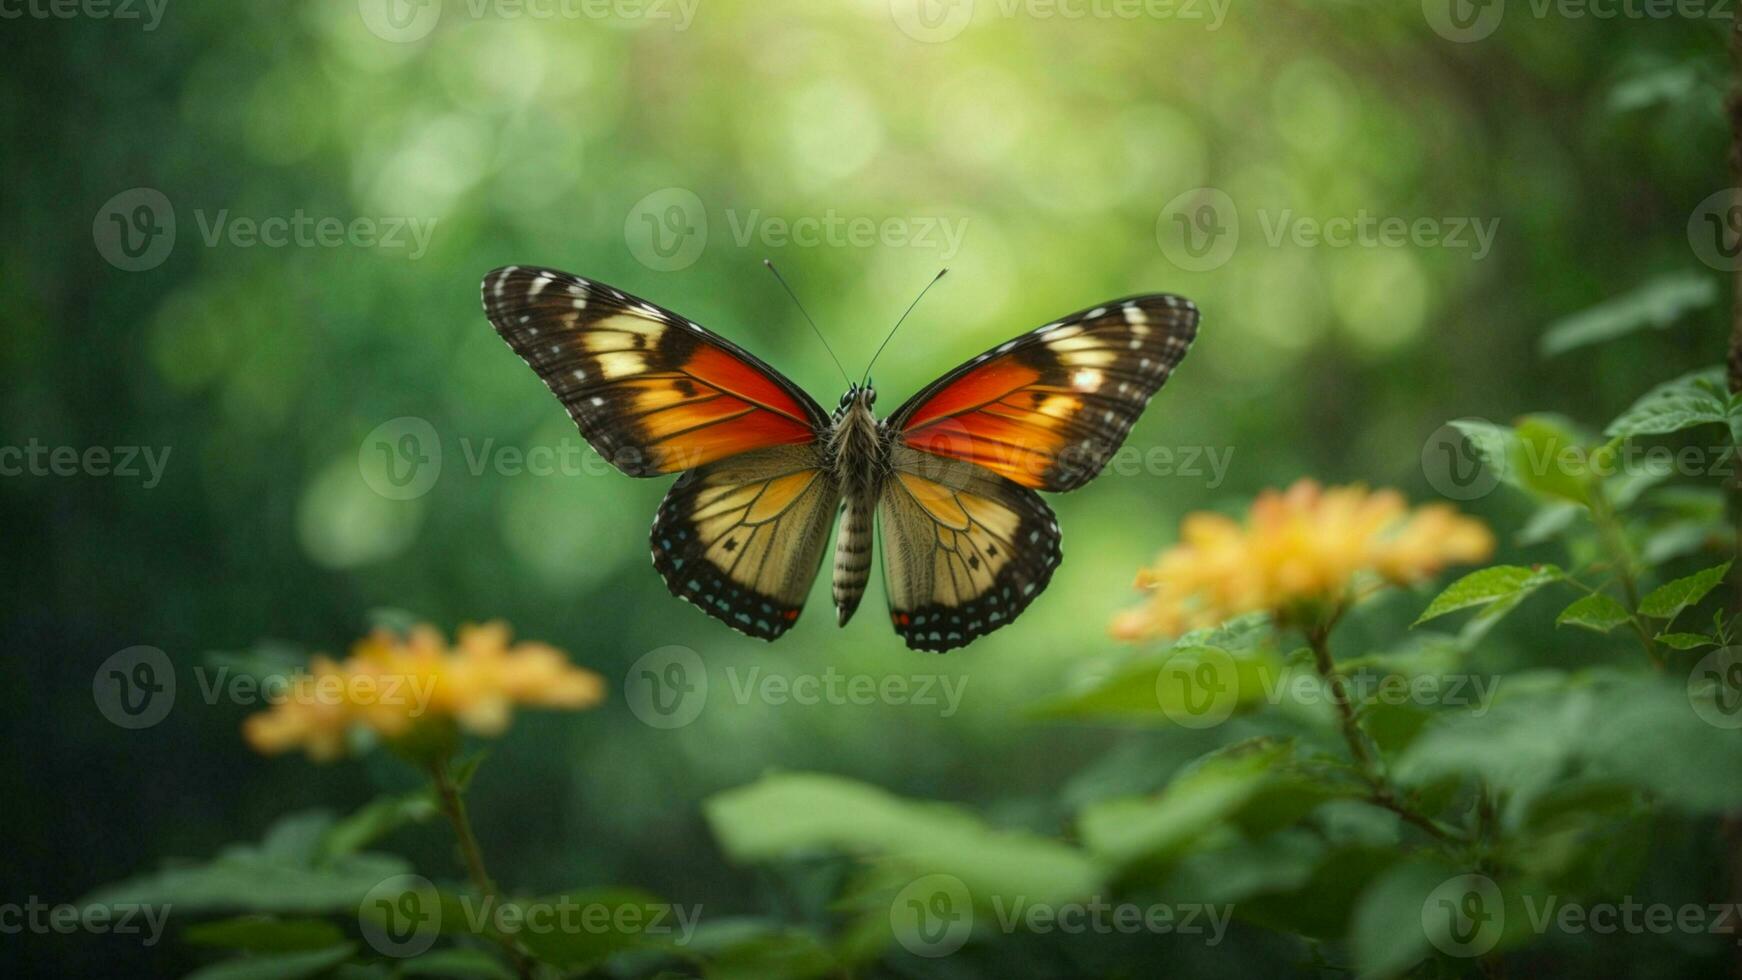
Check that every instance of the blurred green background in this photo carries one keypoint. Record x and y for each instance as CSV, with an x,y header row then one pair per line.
x,y
1058,146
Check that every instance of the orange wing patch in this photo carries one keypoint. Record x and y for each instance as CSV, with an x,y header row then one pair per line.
x,y
654,393
1048,409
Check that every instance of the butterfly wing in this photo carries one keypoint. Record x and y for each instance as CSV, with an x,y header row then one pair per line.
x,y
741,535
964,549
1048,409
651,391
743,538
967,543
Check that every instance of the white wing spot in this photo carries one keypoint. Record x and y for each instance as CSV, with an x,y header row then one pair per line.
x,y
537,286
1096,313
580,375
502,280
597,401
1002,348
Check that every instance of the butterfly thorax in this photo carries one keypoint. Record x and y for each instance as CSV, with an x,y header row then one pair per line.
x,y
858,451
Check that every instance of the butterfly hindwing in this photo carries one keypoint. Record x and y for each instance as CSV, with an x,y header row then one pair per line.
x,y
964,549
1049,408
651,391
743,538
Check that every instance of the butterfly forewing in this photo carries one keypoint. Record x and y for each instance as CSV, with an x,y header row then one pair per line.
x,y
1049,408
651,391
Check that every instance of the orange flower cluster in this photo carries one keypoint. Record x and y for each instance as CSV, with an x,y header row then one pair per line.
x,y
1300,554
391,684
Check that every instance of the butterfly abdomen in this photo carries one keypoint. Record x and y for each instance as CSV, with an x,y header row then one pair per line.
x,y
852,555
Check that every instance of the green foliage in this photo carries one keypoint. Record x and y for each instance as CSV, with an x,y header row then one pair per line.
x,y
1501,583
1655,305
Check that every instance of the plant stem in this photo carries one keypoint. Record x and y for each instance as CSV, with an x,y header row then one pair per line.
x,y
1609,530
453,805
1381,792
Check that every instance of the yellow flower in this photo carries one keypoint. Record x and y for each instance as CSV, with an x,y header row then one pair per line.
x,y
1300,555
395,685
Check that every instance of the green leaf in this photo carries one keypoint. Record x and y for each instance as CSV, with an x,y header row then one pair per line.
x,y
739,949
1596,611
786,814
1550,460
377,819
1191,686
1668,600
260,934
457,962
1545,728
1386,931
1700,398
604,922
1656,304
278,966
1489,585
1253,785
1496,444
1668,85
1685,641
242,882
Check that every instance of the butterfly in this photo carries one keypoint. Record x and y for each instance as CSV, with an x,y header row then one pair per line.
x,y
949,479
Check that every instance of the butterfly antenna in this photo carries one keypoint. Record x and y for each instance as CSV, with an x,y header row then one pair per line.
x,y
807,317
910,306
